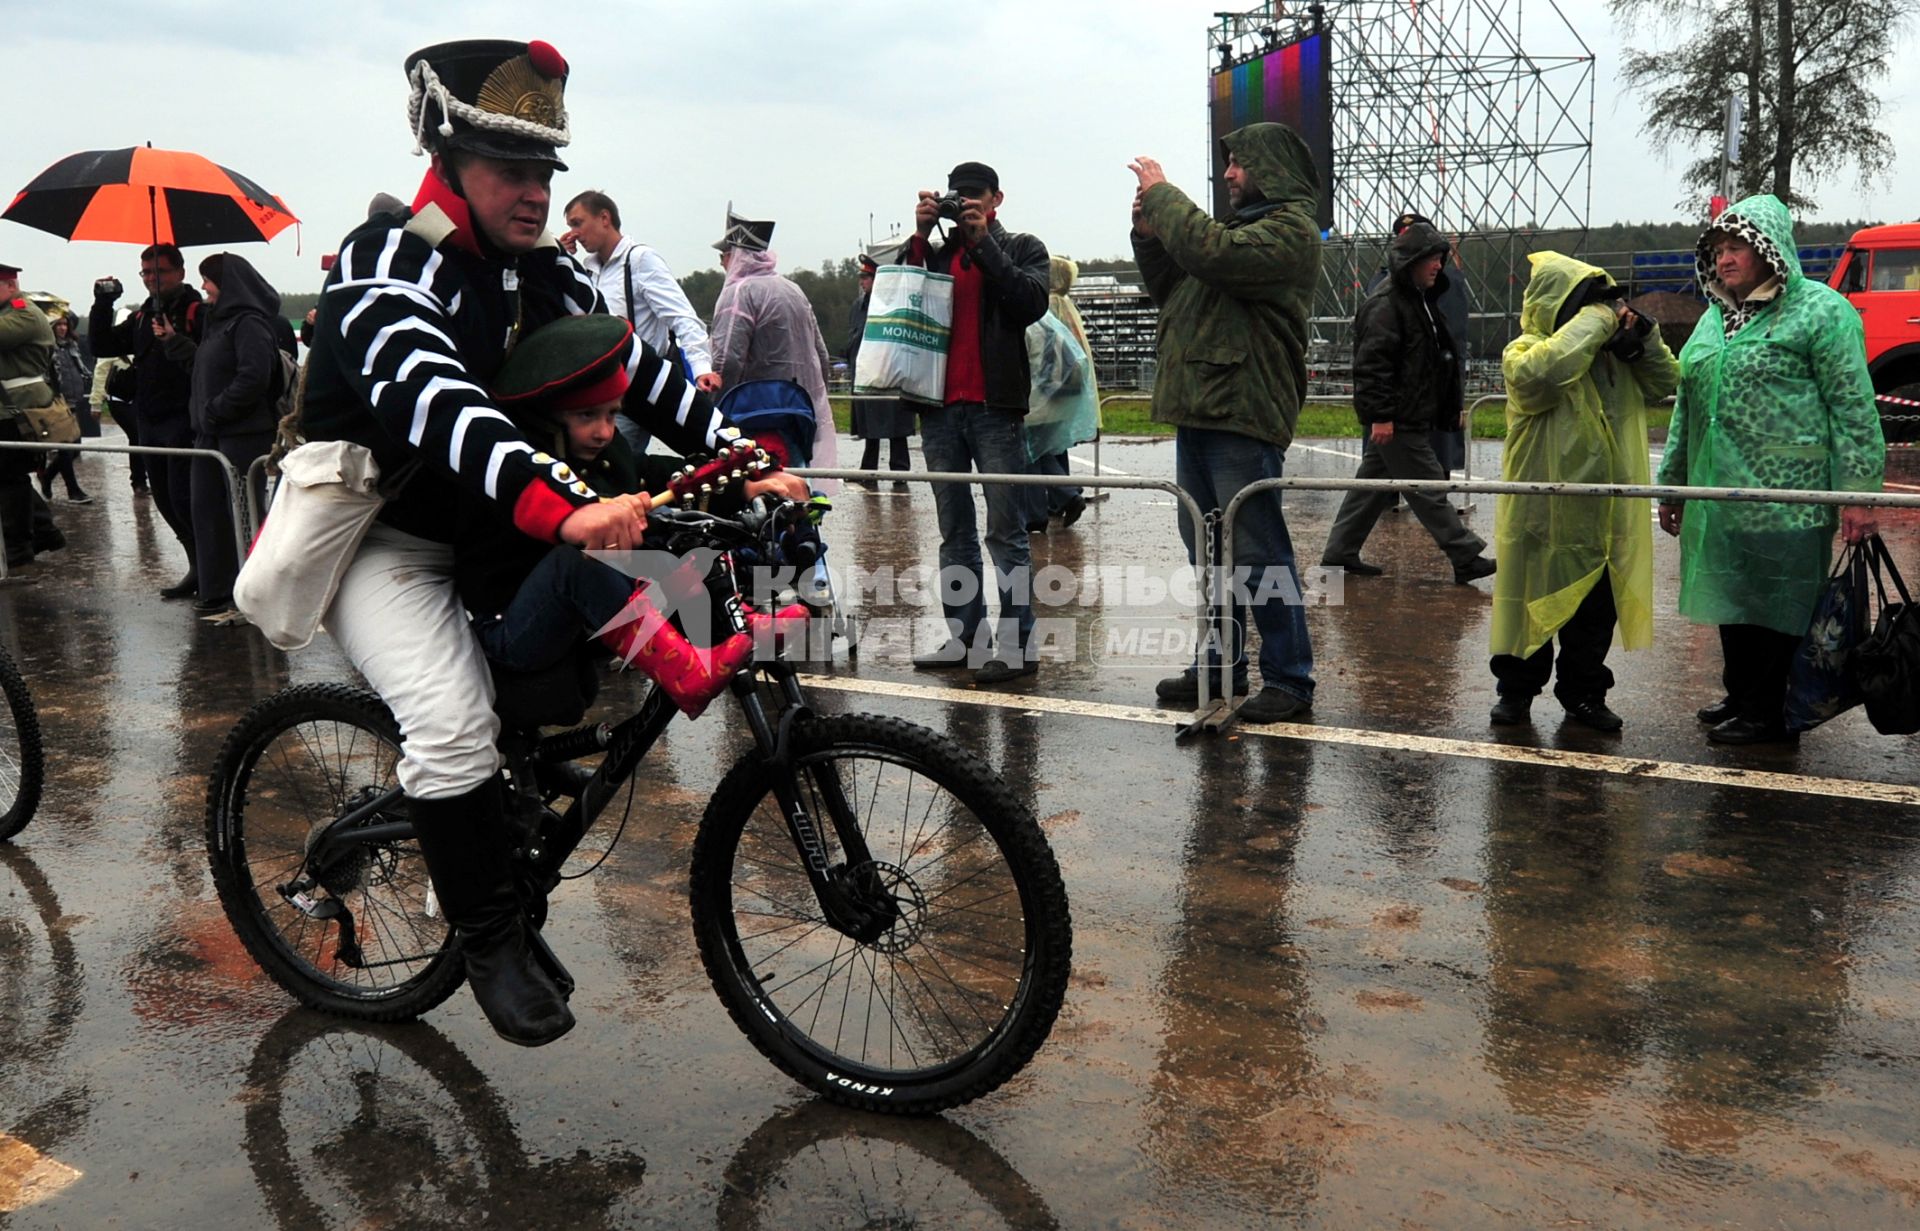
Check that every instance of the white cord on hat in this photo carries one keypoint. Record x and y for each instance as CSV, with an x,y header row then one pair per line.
x,y
425,81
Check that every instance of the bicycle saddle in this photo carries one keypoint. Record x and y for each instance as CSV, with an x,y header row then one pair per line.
x,y
556,696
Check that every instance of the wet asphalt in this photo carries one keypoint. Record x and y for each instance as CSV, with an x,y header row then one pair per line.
x,y
1392,968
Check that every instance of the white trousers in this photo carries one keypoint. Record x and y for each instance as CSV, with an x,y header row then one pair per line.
x,y
400,623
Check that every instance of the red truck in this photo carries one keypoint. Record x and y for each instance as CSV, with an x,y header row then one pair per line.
x,y
1880,274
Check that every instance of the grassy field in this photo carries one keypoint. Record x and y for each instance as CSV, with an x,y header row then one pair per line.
x,y
1128,417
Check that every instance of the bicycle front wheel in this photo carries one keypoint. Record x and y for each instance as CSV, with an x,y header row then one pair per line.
x,y
21,760
961,987
360,934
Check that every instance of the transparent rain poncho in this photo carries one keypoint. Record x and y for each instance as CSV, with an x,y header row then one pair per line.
x,y
1057,420
764,329
1786,402
1575,414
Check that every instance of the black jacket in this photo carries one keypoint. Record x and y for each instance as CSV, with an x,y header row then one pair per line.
x,y
236,364
1406,368
163,384
1013,296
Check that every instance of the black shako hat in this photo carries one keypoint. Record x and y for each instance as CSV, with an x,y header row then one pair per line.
x,y
745,233
9,271
493,97
973,175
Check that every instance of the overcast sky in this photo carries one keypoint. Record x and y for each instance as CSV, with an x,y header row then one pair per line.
x,y
817,115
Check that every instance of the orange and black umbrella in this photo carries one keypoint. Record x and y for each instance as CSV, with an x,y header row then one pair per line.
x,y
148,196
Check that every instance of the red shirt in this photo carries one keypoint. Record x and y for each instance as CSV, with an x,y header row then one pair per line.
x,y
966,374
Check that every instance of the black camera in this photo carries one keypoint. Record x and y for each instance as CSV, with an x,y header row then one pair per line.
x,y
950,206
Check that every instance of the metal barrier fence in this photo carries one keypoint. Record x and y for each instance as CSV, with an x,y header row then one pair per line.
x,y
244,521
1217,716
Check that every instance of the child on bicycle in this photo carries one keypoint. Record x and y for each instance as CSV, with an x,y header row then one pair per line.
x,y
532,603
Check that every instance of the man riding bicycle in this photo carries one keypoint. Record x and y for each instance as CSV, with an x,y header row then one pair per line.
x,y
415,320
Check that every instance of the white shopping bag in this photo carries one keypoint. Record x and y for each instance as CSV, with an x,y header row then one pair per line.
x,y
325,504
903,350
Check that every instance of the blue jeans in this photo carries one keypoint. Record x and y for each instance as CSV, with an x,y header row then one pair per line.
x,y
1211,466
963,437
564,598
1043,502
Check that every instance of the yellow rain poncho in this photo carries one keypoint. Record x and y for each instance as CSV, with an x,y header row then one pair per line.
x,y
1575,414
1785,402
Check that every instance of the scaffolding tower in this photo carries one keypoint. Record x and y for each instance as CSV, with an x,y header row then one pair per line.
x,y
1475,113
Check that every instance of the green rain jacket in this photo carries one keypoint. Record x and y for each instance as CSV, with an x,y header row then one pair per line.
x,y
1785,402
1575,414
1235,296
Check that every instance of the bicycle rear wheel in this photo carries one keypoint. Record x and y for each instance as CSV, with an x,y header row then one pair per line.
x,y
362,935
21,760
952,998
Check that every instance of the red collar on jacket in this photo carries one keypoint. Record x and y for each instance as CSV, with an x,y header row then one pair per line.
x,y
437,192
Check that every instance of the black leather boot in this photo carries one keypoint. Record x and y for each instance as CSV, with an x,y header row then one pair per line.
x,y
465,844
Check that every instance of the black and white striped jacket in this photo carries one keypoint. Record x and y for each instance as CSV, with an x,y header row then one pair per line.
x,y
414,323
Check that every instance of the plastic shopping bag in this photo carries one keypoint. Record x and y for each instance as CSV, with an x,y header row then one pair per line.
x,y
903,350
1820,684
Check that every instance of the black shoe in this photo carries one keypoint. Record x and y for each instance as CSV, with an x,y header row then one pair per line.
x,y
1717,713
186,587
1072,512
207,606
1511,711
78,497
1593,712
1037,527
1354,565
1738,730
465,843
1184,689
46,539
1271,704
951,655
999,670
1474,570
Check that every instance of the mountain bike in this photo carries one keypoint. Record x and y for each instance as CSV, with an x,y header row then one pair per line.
x,y
22,761
880,914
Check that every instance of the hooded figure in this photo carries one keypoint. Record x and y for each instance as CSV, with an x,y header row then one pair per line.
x,y
1406,383
1234,300
1774,392
764,329
1578,387
236,368
236,379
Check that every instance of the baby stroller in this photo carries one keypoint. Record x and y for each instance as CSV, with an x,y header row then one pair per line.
x,y
779,414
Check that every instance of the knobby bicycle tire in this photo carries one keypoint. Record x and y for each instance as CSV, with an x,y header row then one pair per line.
x,y
22,759
958,993
291,765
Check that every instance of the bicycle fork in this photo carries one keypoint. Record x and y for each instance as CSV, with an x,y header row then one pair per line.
x,y
851,896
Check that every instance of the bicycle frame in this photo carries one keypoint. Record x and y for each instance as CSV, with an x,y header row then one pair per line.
x,y
854,906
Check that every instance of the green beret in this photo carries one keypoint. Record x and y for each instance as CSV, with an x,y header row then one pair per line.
x,y
574,361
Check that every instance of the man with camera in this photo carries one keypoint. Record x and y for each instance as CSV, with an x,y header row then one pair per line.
x,y
163,383
999,288
1579,379
1406,383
